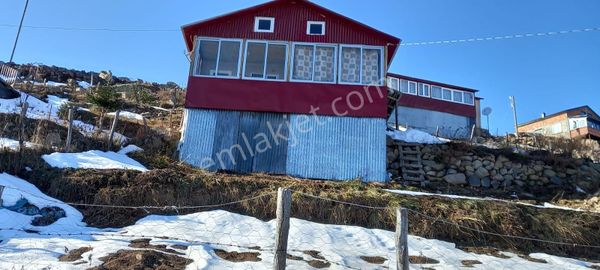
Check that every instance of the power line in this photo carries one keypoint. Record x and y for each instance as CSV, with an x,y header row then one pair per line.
x,y
63,28
515,36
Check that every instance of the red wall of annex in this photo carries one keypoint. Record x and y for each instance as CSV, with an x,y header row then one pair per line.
x,y
437,105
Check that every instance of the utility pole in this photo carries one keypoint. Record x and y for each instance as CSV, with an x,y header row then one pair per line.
x,y
12,55
513,104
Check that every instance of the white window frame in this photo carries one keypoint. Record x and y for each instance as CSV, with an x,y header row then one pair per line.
x,y
465,101
314,45
389,84
257,24
362,48
287,56
451,94
462,97
309,23
416,88
219,40
419,90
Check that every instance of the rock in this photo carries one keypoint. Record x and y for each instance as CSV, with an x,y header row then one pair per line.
x,y
432,173
495,184
519,183
456,179
498,178
466,158
477,164
474,181
507,183
503,171
49,215
549,173
509,177
469,169
556,180
482,172
534,177
486,182
571,172
452,171
538,168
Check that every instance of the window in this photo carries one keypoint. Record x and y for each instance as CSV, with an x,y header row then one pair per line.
x,y
218,58
469,98
412,88
457,96
264,24
394,83
266,61
423,90
315,28
436,92
316,63
447,94
361,65
404,86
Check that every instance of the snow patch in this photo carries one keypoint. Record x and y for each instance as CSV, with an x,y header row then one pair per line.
x,y
13,145
128,115
93,160
414,136
130,149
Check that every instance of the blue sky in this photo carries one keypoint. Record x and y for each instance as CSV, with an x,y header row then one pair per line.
x,y
546,74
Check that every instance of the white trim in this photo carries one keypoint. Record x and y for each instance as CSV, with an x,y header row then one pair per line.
x,y
420,89
362,48
416,85
397,83
196,71
455,94
257,23
314,45
267,43
309,23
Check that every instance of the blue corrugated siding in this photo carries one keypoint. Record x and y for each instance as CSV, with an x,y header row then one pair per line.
x,y
339,148
198,137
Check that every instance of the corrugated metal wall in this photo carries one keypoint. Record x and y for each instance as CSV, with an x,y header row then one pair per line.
x,y
316,147
340,148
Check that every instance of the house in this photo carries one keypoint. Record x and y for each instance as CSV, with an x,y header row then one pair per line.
x,y
447,110
580,122
287,87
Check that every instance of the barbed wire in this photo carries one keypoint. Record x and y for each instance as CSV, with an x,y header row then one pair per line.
x,y
492,38
169,207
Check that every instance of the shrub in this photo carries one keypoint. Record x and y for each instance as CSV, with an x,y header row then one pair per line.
x,y
105,98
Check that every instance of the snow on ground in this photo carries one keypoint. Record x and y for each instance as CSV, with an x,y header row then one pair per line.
x,y
84,84
128,115
93,160
414,136
13,145
546,205
341,245
130,149
161,109
39,109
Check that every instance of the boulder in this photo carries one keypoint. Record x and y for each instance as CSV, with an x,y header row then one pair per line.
x,y
549,173
477,164
456,179
486,182
482,172
474,181
556,180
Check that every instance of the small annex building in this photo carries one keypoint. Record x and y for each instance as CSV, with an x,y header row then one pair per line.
x,y
287,87
576,123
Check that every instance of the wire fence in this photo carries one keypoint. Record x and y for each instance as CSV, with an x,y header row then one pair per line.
x,y
218,239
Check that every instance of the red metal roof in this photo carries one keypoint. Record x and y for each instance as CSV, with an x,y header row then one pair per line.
x,y
290,25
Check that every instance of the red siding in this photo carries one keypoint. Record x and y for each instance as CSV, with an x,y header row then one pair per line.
x,y
437,105
290,25
285,97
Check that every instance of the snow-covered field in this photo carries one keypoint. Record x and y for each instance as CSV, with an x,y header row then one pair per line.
x,y
201,233
13,145
39,109
96,159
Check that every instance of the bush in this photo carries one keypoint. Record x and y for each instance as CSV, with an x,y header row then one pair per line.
x,y
105,98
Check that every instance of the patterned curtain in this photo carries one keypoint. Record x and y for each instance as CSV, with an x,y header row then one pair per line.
x,y
350,65
324,64
371,65
303,62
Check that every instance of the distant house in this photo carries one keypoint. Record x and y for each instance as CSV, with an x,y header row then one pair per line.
x,y
287,87
580,122
450,111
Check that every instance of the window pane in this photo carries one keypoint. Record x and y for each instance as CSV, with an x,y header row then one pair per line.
x,y
447,94
229,58
458,96
412,88
207,58
469,98
324,64
276,58
255,60
404,86
393,83
264,25
351,65
436,92
371,67
303,62
315,29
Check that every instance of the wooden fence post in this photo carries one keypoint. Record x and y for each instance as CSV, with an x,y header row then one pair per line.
x,y
1,191
112,129
70,131
22,117
402,259
284,207
472,133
